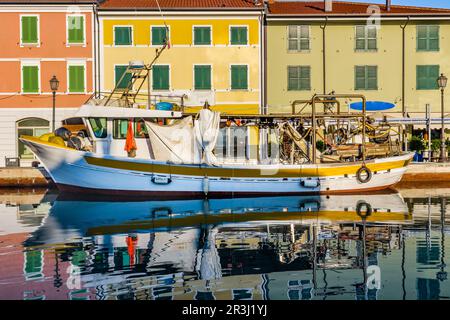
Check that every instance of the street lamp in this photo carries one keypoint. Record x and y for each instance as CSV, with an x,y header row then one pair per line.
x,y
54,84
442,83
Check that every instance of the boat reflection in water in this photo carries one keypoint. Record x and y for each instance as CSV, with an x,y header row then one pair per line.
x,y
248,248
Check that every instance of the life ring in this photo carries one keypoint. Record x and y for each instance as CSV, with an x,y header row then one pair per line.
x,y
359,205
361,171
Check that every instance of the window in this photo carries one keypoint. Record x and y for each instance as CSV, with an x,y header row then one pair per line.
x,y
239,77
232,144
160,77
30,78
299,78
427,38
366,78
202,36
29,29
140,129
30,127
123,36
99,127
159,36
202,77
298,38
75,29
34,261
427,77
120,128
76,78
238,35
126,80
366,38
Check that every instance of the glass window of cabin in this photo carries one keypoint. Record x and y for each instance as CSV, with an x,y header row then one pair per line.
x,y
30,79
366,38
161,77
299,78
220,150
239,77
140,129
75,29
298,38
29,29
120,128
122,83
202,77
159,36
99,127
366,78
30,127
427,77
123,36
239,35
76,79
202,36
238,143
428,38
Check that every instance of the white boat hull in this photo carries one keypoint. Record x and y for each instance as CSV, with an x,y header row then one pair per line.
x,y
74,170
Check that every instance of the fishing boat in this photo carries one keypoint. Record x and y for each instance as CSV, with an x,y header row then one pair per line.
x,y
143,144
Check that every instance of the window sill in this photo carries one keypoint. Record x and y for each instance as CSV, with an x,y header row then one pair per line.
x,y
75,44
429,51
24,45
366,50
299,51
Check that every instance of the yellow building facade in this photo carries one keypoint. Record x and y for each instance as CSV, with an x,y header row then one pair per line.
x,y
394,58
214,56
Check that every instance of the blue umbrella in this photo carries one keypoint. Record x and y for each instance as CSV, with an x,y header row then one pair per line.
x,y
372,106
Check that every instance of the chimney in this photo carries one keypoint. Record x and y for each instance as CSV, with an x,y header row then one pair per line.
x,y
328,5
388,5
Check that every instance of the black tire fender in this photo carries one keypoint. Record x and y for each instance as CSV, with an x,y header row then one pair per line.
x,y
360,205
362,170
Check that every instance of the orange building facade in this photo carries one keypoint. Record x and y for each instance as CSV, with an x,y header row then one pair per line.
x,y
42,40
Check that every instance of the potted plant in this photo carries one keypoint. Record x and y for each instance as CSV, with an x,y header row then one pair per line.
x,y
416,144
436,147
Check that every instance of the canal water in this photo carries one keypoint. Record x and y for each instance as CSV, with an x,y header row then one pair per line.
x,y
353,247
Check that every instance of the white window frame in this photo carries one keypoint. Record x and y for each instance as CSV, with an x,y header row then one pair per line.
x,y
151,33
114,35
170,78
210,31
248,76
68,44
366,38
299,38
193,77
76,63
38,43
31,63
238,26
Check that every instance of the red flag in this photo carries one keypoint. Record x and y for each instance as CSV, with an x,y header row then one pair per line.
x,y
130,143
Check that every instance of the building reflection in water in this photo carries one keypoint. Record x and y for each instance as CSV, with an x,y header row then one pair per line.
x,y
297,248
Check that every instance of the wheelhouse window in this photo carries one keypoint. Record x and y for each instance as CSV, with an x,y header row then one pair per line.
x,y
232,144
99,127
123,36
30,127
120,128
75,29
140,129
366,38
298,38
29,30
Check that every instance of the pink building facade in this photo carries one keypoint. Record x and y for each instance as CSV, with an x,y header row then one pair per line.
x,y
43,40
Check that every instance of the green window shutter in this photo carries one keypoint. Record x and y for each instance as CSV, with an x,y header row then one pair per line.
x,y
427,77
75,26
428,38
202,35
293,78
30,79
372,78
29,29
293,42
126,81
158,36
305,78
122,36
76,78
239,35
433,34
239,77
202,75
360,78
161,78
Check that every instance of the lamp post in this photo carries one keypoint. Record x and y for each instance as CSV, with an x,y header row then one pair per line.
x,y
54,84
442,83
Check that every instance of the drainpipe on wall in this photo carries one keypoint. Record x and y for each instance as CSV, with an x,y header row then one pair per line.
x,y
94,69
324,56
405,141
98,51
264,59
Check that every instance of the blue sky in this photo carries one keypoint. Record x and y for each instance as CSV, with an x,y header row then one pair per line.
x,y
420,3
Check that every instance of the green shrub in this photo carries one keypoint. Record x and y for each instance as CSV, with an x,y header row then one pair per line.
x,y
435,145
416,144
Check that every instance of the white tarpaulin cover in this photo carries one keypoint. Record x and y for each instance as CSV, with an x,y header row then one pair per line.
x,y
183,142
